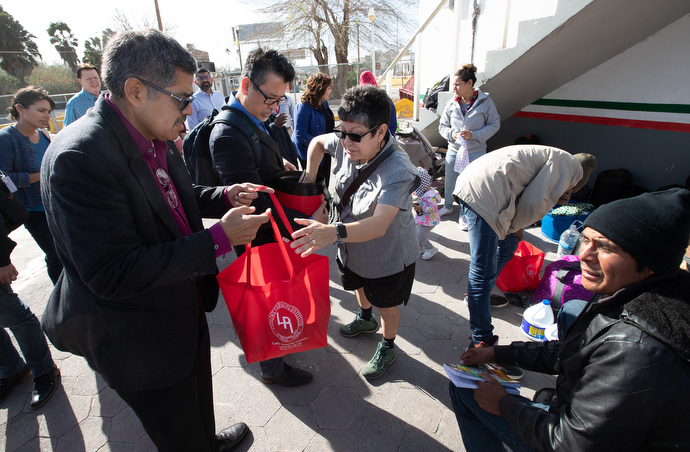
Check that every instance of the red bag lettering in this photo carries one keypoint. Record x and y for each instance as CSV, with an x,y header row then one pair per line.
x,y
279,301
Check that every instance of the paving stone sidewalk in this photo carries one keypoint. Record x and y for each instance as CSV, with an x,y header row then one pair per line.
x,y
407,409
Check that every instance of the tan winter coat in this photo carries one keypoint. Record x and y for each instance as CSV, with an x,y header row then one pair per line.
x,y
514,186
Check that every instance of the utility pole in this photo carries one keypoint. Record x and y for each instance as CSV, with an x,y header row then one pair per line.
x,y
158,16
358,74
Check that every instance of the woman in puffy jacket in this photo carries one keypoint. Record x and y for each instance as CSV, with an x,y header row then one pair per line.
x,y
471,115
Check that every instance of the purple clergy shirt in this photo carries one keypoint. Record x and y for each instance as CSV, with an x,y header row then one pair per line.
x,y
154,153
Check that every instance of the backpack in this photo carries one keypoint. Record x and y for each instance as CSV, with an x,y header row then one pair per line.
x,y
431,96
196,149
610,186
562,282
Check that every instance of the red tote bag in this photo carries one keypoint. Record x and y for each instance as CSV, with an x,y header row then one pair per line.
x,y
522,271
279,301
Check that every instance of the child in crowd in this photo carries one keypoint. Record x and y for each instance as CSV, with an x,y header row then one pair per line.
x,y
427,213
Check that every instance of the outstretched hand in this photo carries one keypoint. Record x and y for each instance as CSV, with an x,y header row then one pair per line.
x,y
313,237
477,356
243,194
240,226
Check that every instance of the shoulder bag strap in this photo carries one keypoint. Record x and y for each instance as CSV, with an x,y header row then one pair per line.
x,y
364,175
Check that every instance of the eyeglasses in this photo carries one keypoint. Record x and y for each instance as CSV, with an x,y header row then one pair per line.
x,y
183,102
205,77
164,180
270,100
354,137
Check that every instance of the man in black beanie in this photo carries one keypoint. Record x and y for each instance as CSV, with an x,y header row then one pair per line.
x,y
623,366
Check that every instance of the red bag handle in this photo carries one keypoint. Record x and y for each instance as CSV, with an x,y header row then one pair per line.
x,y
277,235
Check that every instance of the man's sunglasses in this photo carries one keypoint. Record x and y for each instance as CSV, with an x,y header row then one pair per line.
x,y
270,100
354,137
183,102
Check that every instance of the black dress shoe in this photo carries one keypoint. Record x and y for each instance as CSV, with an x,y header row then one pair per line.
x,y
11,382
44,387
228,439
290,377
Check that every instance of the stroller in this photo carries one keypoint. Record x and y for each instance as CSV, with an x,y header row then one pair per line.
x,y
421,153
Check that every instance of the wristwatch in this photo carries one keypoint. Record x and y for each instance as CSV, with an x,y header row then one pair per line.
x,y
341,230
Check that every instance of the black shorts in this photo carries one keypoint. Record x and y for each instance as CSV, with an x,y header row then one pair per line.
x,y
385,292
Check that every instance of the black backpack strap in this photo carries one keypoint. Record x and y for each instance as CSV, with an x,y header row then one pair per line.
x,y
239,121
560,285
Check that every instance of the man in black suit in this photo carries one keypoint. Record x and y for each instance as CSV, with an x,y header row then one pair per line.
x,y
265,78
139,265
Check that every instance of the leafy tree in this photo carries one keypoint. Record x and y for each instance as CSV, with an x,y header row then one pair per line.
x,y
65,43
306,23
93,48
55,79
18,51
93,51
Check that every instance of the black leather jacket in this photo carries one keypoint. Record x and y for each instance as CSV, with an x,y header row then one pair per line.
x,y
623,374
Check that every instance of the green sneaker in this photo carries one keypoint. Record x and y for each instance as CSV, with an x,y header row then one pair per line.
x,y
383,358
358,326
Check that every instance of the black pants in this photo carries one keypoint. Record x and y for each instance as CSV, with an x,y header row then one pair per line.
x,y
180,417
38,228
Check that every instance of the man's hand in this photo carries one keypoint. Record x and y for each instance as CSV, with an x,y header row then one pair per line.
x,y
289,166
240,226
477,356
243,194
8,274
321,214
489,393
280,120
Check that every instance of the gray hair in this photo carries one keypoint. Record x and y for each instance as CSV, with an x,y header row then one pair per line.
x,y
146,54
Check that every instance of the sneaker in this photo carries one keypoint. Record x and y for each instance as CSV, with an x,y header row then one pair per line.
x,y
8,384
358,326
428,254
421,249
383,358
443,211
44,387
496,301
462,221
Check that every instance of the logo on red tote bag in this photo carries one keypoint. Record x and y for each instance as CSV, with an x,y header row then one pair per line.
x,y
286,321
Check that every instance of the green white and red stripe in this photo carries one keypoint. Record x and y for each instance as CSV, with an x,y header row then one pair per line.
x,y
667,117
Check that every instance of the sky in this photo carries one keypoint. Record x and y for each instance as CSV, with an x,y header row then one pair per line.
x,y
208,29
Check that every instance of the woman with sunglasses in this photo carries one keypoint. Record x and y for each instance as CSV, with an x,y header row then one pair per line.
x,y
23,146
377,239
314,117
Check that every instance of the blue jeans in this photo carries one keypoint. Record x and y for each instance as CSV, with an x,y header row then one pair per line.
x,y
16,316
451,175
567,315
488,256
482,431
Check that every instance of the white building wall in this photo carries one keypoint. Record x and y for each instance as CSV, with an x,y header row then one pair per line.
x,y
654,71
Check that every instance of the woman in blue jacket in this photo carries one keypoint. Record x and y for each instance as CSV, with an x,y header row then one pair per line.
x,y
313,117
23,146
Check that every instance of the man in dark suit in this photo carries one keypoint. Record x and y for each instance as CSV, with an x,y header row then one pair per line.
x,y
266,76
139,264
